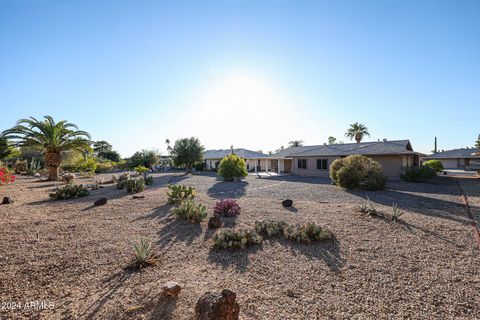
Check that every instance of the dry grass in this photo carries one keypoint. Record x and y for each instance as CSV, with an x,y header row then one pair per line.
x,y
73,254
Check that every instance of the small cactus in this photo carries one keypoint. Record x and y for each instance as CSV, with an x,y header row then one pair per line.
x,y
70,191
236,239
178,193
189,210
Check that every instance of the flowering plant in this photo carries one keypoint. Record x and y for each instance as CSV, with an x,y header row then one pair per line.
x,y
227,208
6,176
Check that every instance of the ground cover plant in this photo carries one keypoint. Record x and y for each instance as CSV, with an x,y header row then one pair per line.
x,y
227,208
236,239
357,171
70,191
178,193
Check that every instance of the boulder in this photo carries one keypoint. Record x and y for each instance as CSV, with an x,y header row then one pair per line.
x,y
217,306
171,289
287,203
7,200
101,201
214,222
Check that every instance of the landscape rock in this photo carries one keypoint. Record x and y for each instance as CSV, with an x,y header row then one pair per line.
x,y
218,306
100,202
214,222
138,197
37,175
287,203
7,200
171,289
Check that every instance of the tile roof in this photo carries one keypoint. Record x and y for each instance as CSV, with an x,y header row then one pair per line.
x,y
364,148
456,153
242,153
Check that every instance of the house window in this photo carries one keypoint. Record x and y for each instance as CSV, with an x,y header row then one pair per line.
x,y
302,163
322,164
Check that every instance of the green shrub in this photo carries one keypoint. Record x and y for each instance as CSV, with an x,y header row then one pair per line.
x,y
357,171
143,255
199,166
179,193
306,233
148,180
80,164
189,210
436,165
103,167
141,169
417,174
232,167
70,191
135,185
234,239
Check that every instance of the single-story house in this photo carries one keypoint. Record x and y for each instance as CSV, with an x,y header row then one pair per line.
x,y
255,161
465,158
316,160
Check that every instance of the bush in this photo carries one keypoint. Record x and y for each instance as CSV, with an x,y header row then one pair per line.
x,y
141,169
179,193
80,164
306,233
227,208
148,180
232,167
6,176
135,185
143,255
190,211
146,158
436,165
231,239
199,166
103,167
70,192
357,171
417,174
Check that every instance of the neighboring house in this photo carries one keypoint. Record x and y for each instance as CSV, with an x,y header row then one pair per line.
x,y
465,158
316,160
255,161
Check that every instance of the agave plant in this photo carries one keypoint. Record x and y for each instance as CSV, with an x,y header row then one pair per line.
x,y
53,138
143,255
396,213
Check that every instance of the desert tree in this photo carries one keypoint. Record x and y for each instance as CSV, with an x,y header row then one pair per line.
x,y
186,152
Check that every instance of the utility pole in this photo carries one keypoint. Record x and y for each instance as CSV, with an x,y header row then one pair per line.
x,y
435,148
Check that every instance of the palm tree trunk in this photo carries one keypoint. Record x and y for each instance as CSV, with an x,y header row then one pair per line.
x,y
52,162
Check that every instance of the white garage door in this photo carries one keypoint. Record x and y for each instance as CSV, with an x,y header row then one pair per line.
x,y
450,163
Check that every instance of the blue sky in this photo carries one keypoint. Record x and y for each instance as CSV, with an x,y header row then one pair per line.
x,y
252,73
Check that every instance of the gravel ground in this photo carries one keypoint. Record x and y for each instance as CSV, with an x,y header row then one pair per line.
x,y
72,254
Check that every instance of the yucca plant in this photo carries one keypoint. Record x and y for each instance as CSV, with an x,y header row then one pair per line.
x,y
189,210
53,138
396,213
143,255
368,208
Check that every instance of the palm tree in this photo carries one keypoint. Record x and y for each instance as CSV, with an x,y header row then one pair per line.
x,y
477,143
169,148
296,143
54,139
357,131
332,140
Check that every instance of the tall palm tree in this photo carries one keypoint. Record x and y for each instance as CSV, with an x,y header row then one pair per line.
x,y
54,139
357,131
296,143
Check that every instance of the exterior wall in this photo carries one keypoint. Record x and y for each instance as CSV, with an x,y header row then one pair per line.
x,y
287,166
450,163
392,165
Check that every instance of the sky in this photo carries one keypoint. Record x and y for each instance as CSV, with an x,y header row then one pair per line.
x,y
254,74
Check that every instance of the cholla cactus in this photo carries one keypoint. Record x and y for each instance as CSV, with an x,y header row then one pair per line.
x,y
135,185
125,176
227,208
189,210
234,239
70,191
179,193
68,178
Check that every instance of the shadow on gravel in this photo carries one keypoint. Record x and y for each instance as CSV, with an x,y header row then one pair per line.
x,y
178,231
113,284
157,213
164,308
326,251
228,189
411,227
236,257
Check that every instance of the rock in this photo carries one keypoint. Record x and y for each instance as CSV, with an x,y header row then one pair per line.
x,y
287,203
171,289
101,201
68,178
7,200
37,175
217,306
214,222
138,197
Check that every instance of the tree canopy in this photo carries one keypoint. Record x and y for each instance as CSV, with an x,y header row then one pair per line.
x,y
186,152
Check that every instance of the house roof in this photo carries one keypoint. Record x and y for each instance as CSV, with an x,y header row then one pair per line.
x,y
456,153
242,153
384,147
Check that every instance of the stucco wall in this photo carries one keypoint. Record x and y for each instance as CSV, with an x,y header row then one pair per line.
x,y
392,165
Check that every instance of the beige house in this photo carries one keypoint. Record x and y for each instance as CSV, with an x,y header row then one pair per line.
x,y
466,158
255,161
316,160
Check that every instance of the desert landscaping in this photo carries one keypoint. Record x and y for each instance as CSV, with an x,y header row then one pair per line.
x,y
74,254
